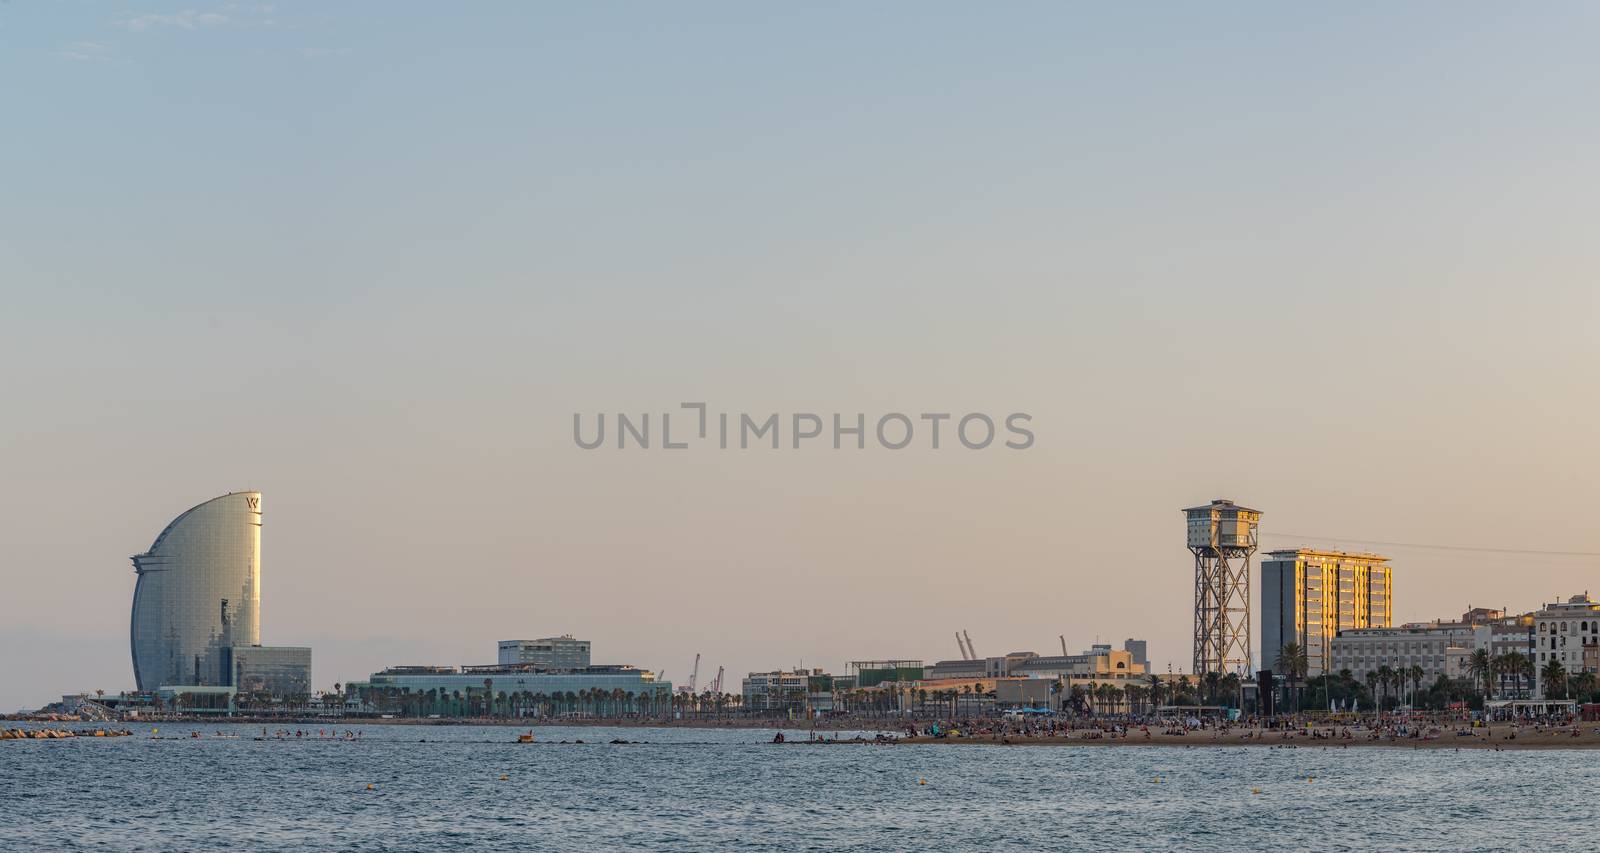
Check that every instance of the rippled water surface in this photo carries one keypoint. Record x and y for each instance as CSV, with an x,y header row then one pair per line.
x,y
699,789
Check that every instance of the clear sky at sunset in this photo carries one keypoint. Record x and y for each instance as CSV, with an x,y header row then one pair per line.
x,y
1335,262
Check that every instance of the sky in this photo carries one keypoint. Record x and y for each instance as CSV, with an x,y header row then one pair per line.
x,y
1333,262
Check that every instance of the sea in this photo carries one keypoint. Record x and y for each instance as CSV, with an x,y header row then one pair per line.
x,y
432,788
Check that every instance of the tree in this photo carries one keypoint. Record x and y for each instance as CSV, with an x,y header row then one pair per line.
x,y
1292,662
1554,678
1386,676
1481,669
1581,685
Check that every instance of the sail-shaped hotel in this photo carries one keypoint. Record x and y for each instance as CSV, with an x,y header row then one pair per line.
x,y
197,602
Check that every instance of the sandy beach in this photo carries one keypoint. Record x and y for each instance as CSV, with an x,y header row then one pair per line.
x,y
1501,737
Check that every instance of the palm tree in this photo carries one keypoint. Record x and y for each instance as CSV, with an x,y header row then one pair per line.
x,y
1385,678
1155,690
1231,684
1581,685
1481,669
1519,666
1554,678
1292,663
1416,674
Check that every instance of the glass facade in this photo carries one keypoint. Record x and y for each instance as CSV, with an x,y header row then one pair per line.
x,y
452,691
280,671
198,594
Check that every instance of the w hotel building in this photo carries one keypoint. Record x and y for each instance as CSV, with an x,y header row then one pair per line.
x,y
1308,597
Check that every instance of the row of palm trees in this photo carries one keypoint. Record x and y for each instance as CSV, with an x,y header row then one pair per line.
x,y
596,702
1557,683
1485,672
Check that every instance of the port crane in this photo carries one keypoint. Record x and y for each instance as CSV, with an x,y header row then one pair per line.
x,y
694,676
716,683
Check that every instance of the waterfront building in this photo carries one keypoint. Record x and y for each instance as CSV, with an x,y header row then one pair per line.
x,y
1439,648
1565,631
1100,663
1309,596
512,690
562,652
198,594
871,673
280,671
780,689
1026,693
995,667
1508,634
197,608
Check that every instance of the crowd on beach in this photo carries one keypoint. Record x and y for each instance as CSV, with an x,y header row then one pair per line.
x,y
1434,728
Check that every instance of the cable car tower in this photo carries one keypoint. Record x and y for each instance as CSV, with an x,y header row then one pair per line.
x,y
1222,537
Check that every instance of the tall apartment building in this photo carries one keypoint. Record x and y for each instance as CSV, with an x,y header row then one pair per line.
x,y
1309,596
562,652
1568,632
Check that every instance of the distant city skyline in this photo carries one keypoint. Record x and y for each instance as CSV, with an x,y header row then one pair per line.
x,y
1333,263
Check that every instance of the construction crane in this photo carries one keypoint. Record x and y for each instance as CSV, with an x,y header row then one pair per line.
x,y
964,655
716,683
1063,645
694,676
970,650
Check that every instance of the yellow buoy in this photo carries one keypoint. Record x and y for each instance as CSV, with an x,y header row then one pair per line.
x,y
1158,780
1311,778
1255,790
369,786
504,777
922,781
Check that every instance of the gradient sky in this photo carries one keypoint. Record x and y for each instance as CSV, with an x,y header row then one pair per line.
x,y
1335,262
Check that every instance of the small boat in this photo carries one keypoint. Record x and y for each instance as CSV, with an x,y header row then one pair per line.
x,y
527,738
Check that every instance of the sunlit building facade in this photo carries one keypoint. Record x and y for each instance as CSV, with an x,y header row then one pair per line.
x,y
198,594
1309,596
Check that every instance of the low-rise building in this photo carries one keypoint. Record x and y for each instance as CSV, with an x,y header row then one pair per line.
x,y
283,672
513,690
1099,663
562,652
995,667
1564,631
1509,634
779,690
1439,648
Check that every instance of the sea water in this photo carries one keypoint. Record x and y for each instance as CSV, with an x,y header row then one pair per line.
x,y
440,788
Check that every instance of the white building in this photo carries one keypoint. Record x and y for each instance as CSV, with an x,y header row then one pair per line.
x,y
1440,648
1568,632
779,689
552,653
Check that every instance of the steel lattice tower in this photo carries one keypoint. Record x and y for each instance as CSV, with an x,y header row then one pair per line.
x,y
1222,538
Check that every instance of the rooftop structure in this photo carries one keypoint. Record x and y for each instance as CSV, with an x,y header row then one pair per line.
x,y
562,652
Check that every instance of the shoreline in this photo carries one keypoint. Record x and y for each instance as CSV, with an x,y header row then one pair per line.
x,y
1490,740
